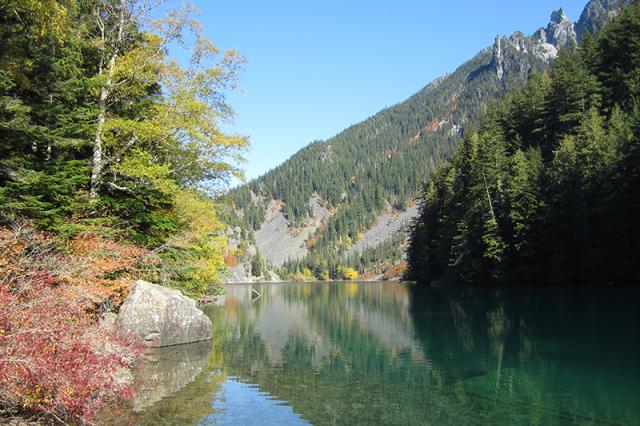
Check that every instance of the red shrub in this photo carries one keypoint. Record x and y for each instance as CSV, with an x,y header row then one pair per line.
x,y
230,260
54,358
396,271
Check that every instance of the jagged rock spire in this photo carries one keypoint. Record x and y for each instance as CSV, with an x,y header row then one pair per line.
x,y
498,58
561,31
559,34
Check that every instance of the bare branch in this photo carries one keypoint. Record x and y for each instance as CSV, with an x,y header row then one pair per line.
x,y
116,187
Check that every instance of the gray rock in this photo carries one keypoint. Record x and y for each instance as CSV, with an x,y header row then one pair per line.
x,y
498,59
241,273
386,227
561,31
278,240
107,320
163,317
597,13
272,277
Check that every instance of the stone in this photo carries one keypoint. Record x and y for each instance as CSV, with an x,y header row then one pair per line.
x,y
163,317
498,59
561,31
107,320
597,13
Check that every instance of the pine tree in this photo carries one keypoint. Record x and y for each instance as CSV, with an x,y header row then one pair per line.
x,y
546,188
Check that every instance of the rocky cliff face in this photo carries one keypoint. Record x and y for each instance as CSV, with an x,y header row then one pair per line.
x,y
278,240
498,59
596,14
544,44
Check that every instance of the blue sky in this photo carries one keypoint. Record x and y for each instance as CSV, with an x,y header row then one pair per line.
x,y
317,67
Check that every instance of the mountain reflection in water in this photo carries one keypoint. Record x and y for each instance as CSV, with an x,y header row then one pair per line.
x,y
387,353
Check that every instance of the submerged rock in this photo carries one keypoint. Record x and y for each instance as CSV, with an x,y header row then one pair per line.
x,y
163,317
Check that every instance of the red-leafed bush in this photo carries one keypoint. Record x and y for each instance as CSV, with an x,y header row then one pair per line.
x,y
396,271
54,358
367,275
230,260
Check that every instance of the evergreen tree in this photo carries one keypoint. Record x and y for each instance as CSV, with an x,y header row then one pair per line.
x,y
102,131
546,189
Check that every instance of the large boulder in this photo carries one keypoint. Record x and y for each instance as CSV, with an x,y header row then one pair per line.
x,y
163,317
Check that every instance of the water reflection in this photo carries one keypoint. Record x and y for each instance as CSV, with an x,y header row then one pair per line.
x,y
336,352
174,386
234,399
385,353
553,355
166,371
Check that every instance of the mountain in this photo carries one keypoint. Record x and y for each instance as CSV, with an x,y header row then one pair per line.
x,y
343,202
596,14
545,189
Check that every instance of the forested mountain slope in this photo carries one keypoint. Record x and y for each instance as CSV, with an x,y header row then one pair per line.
x,y
545,191
378,166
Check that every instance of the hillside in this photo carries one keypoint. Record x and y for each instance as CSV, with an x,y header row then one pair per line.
x,y
376,168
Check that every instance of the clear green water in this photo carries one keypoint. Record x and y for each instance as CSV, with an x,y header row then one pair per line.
x,y
387,353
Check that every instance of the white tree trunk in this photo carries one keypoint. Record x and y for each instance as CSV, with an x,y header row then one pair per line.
x,y
96,171
105,91
493,215
98,160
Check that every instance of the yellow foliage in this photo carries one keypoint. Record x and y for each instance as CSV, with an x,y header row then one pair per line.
x,y
47,15
209,267
350,274
140,165
304,275
198,213
202,238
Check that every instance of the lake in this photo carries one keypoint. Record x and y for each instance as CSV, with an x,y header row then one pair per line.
x,y
389,353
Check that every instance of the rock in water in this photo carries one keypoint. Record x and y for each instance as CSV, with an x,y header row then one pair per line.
x,y
163,317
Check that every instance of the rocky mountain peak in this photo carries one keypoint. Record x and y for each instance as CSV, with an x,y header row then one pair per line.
x,y
561,31
558,16
280,236
547,42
